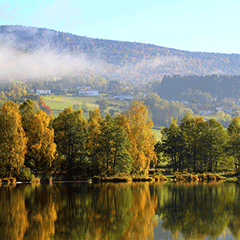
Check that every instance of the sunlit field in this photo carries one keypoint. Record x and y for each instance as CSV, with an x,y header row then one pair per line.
x,y
59,102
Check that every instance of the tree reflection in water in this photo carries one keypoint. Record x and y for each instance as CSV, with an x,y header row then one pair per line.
x,y
198,210
119,211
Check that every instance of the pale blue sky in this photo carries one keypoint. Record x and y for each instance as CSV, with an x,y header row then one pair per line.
x,y
207,25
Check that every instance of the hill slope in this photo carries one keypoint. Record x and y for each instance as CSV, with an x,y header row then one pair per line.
x,y
125,61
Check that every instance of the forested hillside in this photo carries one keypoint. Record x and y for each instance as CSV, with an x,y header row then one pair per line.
x,y
125,61
219,86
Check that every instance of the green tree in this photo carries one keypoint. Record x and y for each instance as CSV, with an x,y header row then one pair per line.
x,y
113,143
94,130
233,145
213,143
70,136
192,130
172,145
103,105
203,143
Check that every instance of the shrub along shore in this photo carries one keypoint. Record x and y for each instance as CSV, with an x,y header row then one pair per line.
x,y
183,177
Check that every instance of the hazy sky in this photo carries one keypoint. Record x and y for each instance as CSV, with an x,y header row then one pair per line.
x,y
204,25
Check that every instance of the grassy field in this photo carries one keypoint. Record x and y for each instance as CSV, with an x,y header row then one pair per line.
x,y
59,102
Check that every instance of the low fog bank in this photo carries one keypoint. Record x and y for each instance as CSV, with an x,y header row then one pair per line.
x,y
16,65
38,54
46,64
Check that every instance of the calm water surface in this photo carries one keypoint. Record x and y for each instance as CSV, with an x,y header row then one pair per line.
x,y
120,211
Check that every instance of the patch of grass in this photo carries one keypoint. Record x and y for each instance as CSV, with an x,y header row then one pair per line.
x,y
58,103
157,133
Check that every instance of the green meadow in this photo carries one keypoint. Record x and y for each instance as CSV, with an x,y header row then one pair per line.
x,y
58,103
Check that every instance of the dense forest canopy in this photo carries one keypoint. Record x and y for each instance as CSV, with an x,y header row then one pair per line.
x,y
72,146
219,86
125,61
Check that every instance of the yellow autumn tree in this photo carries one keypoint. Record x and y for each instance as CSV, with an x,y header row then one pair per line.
x,y
41,143
138,125
12,138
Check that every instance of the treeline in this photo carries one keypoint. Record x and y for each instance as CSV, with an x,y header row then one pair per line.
x,y
71,146
72,84
218,86
197,145
19,92
162,111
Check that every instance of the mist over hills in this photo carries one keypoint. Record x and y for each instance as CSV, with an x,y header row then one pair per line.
x,y
37,53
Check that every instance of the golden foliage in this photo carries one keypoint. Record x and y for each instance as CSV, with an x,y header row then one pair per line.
x,y
12,138
138,125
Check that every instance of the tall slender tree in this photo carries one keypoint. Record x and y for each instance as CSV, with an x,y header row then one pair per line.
x,y
70,136
41,147
138,125
27,111
172,145
233,146
12,138
113,143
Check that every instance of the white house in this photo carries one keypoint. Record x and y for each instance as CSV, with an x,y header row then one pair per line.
x,y
43,92
123,97
88,92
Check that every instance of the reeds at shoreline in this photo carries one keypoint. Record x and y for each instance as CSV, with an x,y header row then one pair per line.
x,y
190,177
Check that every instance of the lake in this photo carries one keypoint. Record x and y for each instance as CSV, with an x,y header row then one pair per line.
x,y
120,211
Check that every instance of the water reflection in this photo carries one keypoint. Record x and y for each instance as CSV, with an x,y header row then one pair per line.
x,y
108,211
198,211
120,211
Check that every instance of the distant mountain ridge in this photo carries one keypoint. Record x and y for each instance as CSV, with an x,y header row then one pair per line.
x,y
124,61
